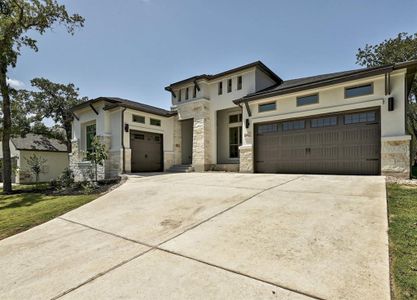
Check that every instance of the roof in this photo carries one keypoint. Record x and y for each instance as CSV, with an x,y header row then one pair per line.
x,y
299,84
257,64
36,142
119,102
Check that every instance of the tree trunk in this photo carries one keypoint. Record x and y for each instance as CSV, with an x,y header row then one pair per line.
x,y
7,124
68,134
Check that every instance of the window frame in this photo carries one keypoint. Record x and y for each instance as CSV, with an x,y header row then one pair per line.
x,y
359,86
239,118
179,95
187,93
306,96
140,116
239,83
159,122
195,91
220,88
229,85
89,149
265,104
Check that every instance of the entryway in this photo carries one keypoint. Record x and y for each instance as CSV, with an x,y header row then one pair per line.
x,y
187,141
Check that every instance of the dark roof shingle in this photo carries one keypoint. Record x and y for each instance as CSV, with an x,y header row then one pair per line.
x,y
38,142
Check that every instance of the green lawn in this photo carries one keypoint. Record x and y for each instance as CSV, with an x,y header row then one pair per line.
x,y
402,207
21,211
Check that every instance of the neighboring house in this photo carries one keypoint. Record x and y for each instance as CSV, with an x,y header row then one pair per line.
x,y
248,119
53,151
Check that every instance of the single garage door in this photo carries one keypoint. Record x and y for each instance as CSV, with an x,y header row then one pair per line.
x,y
345,143
146,151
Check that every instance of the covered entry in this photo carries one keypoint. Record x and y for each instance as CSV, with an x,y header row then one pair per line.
x,y
343,143
146,151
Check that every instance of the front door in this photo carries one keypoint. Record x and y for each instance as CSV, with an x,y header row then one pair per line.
x,y
187,141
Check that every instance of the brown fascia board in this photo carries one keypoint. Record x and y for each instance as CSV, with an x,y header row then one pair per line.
x,y
343,78
111,106
258,64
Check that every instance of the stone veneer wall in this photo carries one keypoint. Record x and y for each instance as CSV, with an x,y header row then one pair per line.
x,y
246,159
177,142
395,157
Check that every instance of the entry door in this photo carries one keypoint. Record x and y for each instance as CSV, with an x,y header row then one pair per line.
x,y
187,141
146,150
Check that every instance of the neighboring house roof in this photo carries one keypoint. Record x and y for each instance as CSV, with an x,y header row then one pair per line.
x,y
258,64
36,142
299,84
119,102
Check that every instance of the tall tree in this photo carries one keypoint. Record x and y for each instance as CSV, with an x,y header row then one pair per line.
x,y
401,48
17,18
55,100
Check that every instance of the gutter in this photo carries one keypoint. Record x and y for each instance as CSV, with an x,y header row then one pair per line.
x,y
123,141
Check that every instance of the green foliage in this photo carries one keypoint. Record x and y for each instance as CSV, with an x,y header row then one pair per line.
x,y
65,181
36,164
98,154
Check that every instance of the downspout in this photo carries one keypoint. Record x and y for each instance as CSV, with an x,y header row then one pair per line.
x,y
123,140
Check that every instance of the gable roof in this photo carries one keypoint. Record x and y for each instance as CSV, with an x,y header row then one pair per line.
x,y
299,84
113,102
257,64
36,142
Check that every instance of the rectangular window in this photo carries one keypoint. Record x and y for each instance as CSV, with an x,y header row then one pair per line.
x,y
155,122
293,125
235,140
267,107
220,88
139,136
229,85
360,117
239,82
306,100
324,122
235,118
361,90
90,134
186,94
138,119
267,128
195,91
179,95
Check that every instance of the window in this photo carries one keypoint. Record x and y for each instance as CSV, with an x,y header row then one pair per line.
x,y
138,119
361,90
186,94
220,88
155,122
90,134
179,95
324,122
139,136
235,140
360,117
267,107
195,91
229,85
293,125
306,100
235,118
267,128
239,82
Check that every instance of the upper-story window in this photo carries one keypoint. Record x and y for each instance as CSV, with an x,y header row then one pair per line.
x,y
359,90
239,82
138,119
220,88
229,85
179,95
306,100
186,94
195,91
267,107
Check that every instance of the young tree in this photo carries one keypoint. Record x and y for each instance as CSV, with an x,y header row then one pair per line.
x,y
55,100
17,18
98,154
36,165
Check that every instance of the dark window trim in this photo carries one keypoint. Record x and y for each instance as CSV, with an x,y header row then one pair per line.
x,y
309,95
358,86
262,104
140,116
158,120
220,88
179,95
187,94
229,85
239,82
195,91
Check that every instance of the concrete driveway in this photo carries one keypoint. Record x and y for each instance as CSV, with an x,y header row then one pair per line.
x,y
210,236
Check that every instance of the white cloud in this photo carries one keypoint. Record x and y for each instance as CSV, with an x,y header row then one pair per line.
x,y
16,84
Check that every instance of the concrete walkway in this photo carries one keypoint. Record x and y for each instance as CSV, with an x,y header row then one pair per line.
x,y
210,236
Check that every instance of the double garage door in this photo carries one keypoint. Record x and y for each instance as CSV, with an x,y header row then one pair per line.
x,y
344,143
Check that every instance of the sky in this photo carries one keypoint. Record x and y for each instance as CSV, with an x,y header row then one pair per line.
x,y
134,48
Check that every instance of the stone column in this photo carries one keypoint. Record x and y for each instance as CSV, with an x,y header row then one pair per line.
x,y
246,159
395,156
201,143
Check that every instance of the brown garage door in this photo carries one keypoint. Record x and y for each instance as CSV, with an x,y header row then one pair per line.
x,y
345,143
146,151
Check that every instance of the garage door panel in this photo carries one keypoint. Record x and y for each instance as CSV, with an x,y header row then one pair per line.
x,y
323,146
146,149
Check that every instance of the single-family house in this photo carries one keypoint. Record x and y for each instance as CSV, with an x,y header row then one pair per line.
x,y
248,119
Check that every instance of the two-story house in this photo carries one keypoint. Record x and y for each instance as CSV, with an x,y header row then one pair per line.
x,y
250,120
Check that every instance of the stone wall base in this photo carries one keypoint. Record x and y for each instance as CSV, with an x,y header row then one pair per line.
x,y
395,157
226,167
246,159
169,159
